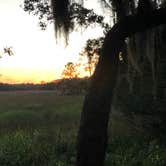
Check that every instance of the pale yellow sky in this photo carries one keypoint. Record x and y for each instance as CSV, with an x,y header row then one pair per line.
x,y
36,57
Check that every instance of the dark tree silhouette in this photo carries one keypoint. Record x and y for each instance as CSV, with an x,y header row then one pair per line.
x,y
92,51
70,71
7,50
92,135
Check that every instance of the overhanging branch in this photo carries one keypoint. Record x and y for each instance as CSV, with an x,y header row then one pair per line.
x,y
92,136
139,23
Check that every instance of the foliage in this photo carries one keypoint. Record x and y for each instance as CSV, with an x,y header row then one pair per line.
x,y
70,71
35,149
7,50
42,9
39,148
77,15
50,139
73,86
60,87
134,151
92,51
114,43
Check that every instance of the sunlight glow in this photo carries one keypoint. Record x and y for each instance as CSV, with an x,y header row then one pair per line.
x,y
36,57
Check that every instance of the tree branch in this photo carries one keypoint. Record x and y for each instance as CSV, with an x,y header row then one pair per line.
x,y
92,136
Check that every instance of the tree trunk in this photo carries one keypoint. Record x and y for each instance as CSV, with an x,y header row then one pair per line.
x,y
94,119
92,135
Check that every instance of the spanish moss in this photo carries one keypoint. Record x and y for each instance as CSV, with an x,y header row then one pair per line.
x,y
62,17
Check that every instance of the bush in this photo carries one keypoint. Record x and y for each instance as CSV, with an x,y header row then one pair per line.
x,y
35,149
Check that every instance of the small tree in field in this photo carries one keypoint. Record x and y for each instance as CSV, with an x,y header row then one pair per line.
x,y
91,51
70,71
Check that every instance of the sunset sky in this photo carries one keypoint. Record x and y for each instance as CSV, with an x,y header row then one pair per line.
x,y
36,57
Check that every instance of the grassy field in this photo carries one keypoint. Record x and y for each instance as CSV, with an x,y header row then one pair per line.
x,y
39,128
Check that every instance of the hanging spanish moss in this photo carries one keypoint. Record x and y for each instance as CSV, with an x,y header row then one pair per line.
x,y
143,58
133,65
132,50
62,17
151,47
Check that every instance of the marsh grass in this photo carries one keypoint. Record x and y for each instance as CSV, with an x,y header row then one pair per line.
x,y
39,129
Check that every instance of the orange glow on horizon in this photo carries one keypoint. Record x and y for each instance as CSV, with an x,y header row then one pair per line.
x,y
17,76
37,57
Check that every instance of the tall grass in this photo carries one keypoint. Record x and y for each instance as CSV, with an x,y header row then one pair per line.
x,y
40,128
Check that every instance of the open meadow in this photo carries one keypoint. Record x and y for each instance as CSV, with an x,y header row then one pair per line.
x,y
39,128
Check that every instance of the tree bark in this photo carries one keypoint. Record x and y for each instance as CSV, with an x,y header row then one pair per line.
x,y
92,135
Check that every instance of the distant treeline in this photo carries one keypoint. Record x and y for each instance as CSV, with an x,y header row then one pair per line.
x,y
62,86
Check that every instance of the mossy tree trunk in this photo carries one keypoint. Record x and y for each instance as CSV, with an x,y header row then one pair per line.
x,y
92,136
